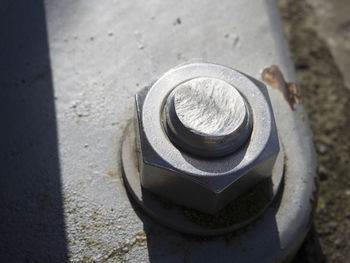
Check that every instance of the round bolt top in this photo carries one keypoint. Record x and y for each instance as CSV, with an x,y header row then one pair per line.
x,y
207,117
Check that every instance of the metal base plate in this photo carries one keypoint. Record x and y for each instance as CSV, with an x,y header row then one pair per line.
x,y
175,216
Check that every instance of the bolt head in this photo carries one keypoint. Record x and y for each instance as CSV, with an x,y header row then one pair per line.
x,y
207,117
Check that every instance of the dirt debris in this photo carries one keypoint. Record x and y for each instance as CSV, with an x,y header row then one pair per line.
x,y
326,99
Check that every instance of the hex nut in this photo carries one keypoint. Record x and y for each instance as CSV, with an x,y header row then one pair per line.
x,y
205,184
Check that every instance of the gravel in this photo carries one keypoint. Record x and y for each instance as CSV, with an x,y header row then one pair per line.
x,y
320,70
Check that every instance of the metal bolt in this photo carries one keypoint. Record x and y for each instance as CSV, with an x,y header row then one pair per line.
x,y
207,117
204,110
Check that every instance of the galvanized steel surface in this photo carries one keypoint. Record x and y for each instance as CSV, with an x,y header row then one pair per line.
x,y
70,73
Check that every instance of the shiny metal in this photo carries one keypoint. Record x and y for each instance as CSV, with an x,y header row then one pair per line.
x,y
207,117
186,179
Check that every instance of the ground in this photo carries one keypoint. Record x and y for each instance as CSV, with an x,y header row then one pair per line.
x,y
318,32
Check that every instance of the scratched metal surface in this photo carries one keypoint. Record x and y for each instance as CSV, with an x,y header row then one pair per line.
x,y
70,70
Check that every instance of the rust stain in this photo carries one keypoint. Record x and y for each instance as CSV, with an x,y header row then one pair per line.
x,y
118,254
177,22
141,236
274,77
90,243
111,173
